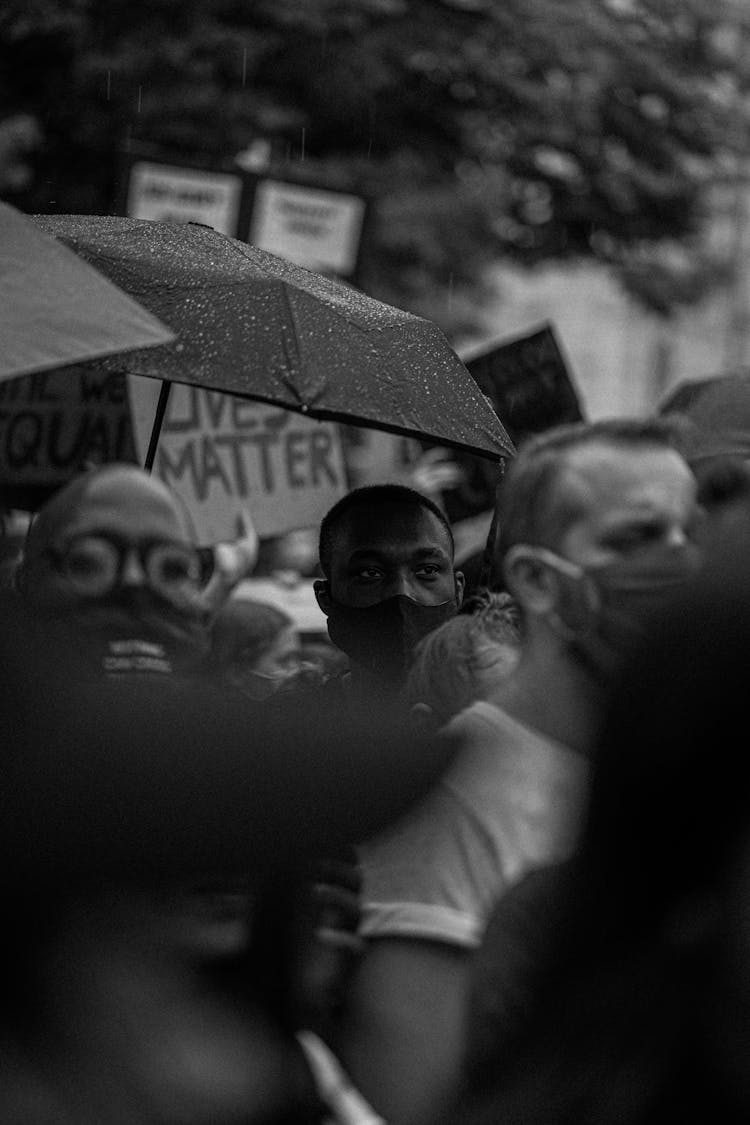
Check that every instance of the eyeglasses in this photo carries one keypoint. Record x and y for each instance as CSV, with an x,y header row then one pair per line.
x,y
94,564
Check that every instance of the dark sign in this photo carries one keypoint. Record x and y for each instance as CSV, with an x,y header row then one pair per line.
x,y
56,423
528,384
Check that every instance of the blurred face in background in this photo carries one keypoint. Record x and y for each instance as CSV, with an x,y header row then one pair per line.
x,y
111,533
261,675
255,646
110,557
626,546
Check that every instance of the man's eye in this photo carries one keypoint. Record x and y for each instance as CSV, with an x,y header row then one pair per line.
x,y
630,539
428,570
369,573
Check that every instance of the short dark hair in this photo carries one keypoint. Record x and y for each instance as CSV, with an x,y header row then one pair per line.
x,y
532,505
723,481
367,497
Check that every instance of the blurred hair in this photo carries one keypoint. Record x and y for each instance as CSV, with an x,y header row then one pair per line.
x,y
366,498
534,504
725,480
463,658
245,626
325,656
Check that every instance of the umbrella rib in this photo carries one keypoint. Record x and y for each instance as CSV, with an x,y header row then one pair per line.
x,y
295,362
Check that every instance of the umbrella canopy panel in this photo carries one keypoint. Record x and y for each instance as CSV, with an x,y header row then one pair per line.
x,y
55,310
253,324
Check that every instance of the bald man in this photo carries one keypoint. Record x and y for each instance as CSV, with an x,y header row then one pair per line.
x,y
112,557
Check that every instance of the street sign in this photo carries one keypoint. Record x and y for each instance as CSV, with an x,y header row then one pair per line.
x,y
315,228
168,193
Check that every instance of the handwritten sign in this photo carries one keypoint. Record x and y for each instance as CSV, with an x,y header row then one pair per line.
x,y
168,194
311,227
227,455
54,423
529,385
527,381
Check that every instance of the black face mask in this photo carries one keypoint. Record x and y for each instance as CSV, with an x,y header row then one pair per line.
x,y
135,631
381,638
605,610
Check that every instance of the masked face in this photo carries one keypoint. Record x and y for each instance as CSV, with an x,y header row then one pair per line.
x,y
603,610
381,638
391,582
109,559
134,630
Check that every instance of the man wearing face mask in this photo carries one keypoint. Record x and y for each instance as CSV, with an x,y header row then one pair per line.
x,y
387,555
110,560
594,533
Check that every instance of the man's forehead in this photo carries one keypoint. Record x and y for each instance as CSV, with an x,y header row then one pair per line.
x,y
127,500
606,486
383,528
612,472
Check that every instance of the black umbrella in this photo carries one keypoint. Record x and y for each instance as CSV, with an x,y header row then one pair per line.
x,y
253,324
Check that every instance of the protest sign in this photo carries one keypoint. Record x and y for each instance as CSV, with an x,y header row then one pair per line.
x,y
528,383
378,457
312,227
169,194
227,455
54,423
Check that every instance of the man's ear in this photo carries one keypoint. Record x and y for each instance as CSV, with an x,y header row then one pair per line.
x,y
531,583
322,594
422,718
460,586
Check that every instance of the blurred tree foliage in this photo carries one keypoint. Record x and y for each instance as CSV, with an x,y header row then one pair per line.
x,y
524,130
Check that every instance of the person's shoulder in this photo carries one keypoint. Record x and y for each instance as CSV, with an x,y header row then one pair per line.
x,y
488,722
480,722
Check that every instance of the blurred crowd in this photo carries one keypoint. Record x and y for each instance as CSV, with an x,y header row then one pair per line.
x,y
481,855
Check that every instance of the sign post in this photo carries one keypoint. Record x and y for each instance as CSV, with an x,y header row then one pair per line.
x,y
315,228
312,225
170,194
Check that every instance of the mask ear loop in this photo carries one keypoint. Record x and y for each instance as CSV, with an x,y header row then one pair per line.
x,y
573,571
18,579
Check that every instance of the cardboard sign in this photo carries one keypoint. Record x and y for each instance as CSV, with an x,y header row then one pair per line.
x,y
226,455
55,423
528,384
168,194
377,457
311,227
